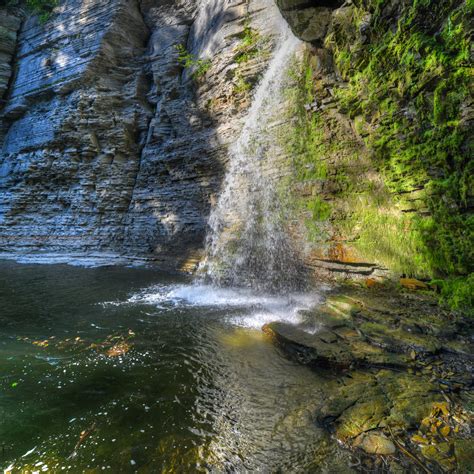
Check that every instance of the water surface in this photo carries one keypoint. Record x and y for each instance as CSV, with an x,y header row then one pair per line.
x,y
158,374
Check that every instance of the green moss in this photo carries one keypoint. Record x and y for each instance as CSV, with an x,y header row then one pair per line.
x,y
409,80
252,45
385,235
249,46
320,210
241,86
458,293
306,145
42,8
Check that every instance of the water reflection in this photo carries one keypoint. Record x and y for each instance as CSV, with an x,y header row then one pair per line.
x,y
146,386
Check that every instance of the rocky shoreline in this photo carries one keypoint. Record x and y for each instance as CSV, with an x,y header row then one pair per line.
x,y
400,386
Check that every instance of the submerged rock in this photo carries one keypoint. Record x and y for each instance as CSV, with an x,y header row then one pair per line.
x,y
375,443
464,452
398,358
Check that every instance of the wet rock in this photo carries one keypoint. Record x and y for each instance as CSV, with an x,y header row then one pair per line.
x,y
398,340
327,337
337,344
440,454
373,283
375,443
464,452
365,415
363,402
413,332
411,398
308,348
343,305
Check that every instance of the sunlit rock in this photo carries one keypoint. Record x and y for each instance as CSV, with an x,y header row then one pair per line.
x,y
375,443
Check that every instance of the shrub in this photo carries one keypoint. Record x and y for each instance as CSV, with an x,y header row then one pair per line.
x,y
189,61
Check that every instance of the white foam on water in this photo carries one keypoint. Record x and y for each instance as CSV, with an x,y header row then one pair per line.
x,y
273,308
257,308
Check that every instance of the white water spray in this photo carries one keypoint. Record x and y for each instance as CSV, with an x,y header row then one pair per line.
x,y
244,307
248,242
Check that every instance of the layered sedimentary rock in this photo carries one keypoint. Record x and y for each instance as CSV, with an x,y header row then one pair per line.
x,y
75,115
118,116
197,114
112,145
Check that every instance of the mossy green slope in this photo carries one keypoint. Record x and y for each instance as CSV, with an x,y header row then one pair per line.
x,y
404,189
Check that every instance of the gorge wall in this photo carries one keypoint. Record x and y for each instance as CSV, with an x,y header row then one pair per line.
x,y
382,140
111,144
117,117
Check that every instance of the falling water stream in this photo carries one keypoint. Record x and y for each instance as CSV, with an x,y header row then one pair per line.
x,y
129,370
248,242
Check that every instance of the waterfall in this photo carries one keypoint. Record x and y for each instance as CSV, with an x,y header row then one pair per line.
x,y
248,242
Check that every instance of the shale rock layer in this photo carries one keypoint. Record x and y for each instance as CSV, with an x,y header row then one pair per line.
x,y
113,143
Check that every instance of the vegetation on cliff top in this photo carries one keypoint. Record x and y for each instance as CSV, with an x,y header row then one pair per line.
x,y
42,8
408,82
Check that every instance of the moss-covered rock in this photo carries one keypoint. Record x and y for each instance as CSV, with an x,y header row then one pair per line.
x,y
464,452
375,443
371,407
382,142
363,416
308,348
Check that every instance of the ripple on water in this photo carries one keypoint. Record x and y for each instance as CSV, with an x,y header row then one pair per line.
x,y
199,389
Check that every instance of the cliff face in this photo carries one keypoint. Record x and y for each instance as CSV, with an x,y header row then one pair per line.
x,y
382,141
118,117
75,113
9,26
112,144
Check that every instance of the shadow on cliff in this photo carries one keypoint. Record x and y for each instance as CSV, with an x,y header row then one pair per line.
x,y
105,80
181,163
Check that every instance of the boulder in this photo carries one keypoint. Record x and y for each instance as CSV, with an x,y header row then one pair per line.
x,y
309,20
337,349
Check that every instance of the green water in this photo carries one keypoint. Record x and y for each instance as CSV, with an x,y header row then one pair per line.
x,y
159,383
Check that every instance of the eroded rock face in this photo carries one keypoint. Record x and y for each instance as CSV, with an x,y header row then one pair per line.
x,y
75,115
195,118
111,144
